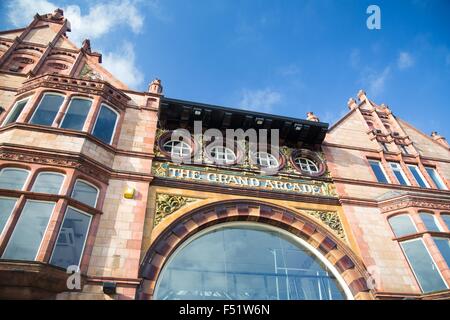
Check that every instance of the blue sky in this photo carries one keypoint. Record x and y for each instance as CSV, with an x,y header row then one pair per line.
x,y
282,57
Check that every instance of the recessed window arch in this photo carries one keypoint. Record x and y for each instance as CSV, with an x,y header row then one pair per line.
x,y
430,221
16,111
47,109
76,114
308,162
13,178
71,239
105,124
85,192
402,225
307,165
216,264
48,182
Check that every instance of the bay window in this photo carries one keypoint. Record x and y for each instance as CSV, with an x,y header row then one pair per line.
x,y
85,192
6,208
76,114
402,225
105,124
48,182
29,231
429,220
47,109
15,112
13,178
71,239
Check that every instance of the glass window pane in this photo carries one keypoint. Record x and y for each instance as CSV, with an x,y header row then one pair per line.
x,y
402,225
85,193
436,178
71,239
48,182
398,172
76,114
378,171
429,221
13,179
446,218
444,247
423,266
47,110
6,208
29,231
105,125
416,173
217,265
17,110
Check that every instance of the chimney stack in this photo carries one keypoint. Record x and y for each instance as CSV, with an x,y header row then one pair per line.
x,y
155,87
440,139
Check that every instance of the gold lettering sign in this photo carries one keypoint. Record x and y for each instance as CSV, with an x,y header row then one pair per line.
x,y
233,179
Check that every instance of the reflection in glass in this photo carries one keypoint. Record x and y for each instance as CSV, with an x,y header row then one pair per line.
x,y
423,266
402,225
418,176
47,110
444,248
378,171
446,218
436,178
429,221
12,178
246,263
85,193
29,231
6,207
105,125
76,114
71,239
48,182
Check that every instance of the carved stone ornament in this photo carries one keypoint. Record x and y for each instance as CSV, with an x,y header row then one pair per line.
x,y
330,219
167,204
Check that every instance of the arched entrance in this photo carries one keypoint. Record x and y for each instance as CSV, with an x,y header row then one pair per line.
x,y
249,250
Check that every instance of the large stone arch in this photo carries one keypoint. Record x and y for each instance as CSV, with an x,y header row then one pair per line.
x,y
335,251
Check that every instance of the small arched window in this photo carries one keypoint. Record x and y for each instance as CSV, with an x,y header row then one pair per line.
x,y
430,222
48,182
267,160
15,112
85,192
13,178
47,109
306,165
105,125
179,149
222,155
402,225
76,114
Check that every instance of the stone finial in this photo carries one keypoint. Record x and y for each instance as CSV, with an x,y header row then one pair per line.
x,y
362,95
155,87
440,139
312,117
86,46
351,103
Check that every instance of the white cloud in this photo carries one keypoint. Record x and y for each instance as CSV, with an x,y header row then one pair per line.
x,y
376,81
262,100
289,70
122,64
101,18
405,60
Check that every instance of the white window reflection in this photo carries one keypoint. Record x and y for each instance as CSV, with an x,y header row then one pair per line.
x,y
246,262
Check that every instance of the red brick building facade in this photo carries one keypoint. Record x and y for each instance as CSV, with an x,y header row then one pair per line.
x,y
88,180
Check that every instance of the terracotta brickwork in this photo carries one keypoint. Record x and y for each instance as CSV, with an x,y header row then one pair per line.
x,y
349,145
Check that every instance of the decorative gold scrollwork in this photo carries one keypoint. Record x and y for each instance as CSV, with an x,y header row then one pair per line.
x,y
167,204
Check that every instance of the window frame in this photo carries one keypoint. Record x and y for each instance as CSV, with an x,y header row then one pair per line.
x,y
9,114
39,103
268,155
25,183
113,134
436,173
84,128
409,217
432,259
88,183
85,239
399,169
45,232
420,174
380,165
53,172
436,221
172,146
